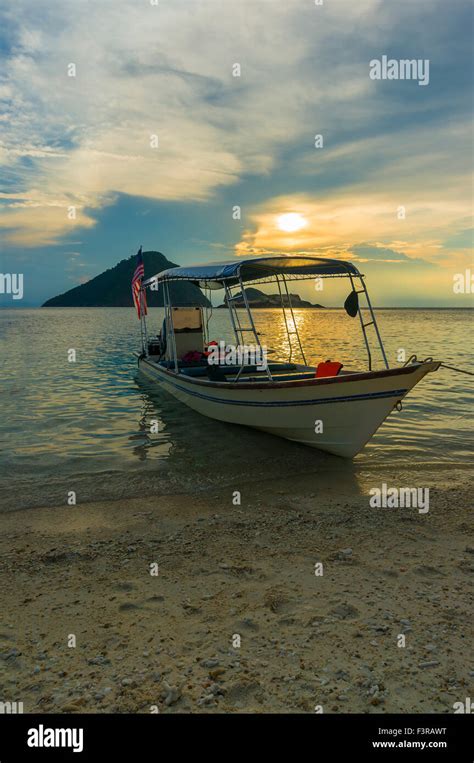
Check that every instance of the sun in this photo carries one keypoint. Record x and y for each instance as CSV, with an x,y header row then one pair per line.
x,y
291,222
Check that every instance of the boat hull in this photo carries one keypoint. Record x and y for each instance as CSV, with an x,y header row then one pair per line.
x,y
338,415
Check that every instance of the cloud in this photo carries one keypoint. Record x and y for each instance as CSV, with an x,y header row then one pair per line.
x,y
378,253
144,70
339,224
461,239
166,70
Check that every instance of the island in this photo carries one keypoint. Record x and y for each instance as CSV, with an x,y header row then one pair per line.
x,y
258,299
112,288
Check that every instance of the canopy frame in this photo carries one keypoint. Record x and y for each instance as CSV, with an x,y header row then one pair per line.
x,y
279,275
232,272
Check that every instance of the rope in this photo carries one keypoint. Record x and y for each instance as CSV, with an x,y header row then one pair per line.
x,y
460,370
414,359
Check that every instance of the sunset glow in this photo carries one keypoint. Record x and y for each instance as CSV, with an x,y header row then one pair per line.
x,y
190,142
291,222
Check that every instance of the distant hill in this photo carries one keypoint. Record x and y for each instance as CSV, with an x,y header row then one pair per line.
x,y
113,287
257,298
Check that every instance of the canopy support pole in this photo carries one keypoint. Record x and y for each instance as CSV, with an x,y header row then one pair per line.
x,y
290,346
228,296
372,322
236,324
362,326
143,328
289,333
208,315
170,324
252,329
141,332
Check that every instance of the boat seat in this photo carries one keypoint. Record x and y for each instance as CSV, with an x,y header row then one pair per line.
x,y
279,378
231,370
294,377
198,371
181,363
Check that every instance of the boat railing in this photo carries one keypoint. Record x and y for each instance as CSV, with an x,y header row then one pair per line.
x,y
239,329
373,321
294,332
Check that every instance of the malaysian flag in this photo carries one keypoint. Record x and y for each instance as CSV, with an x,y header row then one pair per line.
x,y
139,297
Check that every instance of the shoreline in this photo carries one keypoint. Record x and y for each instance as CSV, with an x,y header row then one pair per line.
x,y
167,641
360,475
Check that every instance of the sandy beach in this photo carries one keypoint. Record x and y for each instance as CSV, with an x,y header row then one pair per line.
x,y
169,642
237,365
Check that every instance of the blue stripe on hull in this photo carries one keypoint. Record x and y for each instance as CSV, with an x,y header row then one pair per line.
x,y
283,403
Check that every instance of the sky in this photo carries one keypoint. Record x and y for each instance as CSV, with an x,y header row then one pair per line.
x,y
190,127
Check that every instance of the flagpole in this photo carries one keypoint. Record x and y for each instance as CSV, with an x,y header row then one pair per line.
x,y
142,312
143,322
139,298
141,326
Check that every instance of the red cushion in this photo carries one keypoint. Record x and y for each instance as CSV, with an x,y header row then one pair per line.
x,y
328,368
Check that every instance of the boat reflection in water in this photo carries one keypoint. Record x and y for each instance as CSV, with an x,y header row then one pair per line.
x,y
192,452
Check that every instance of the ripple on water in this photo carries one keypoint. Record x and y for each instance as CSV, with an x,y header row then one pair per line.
x,y
87,424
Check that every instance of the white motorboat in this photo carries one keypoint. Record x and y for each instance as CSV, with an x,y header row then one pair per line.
x,y
327,406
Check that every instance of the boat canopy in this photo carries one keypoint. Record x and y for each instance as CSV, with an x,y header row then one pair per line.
x,y
215,274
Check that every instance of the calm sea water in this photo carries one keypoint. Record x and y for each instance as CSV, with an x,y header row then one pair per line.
x,y
85,425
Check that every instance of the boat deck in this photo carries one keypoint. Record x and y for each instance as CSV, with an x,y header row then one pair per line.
x,y
281,371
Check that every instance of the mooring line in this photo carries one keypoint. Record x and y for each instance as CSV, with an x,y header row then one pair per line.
x,y
459,370
414,359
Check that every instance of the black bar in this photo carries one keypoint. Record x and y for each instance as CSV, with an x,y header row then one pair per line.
x,y
154,736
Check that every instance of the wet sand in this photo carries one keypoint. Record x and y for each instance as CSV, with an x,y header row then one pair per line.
x,y
168,642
